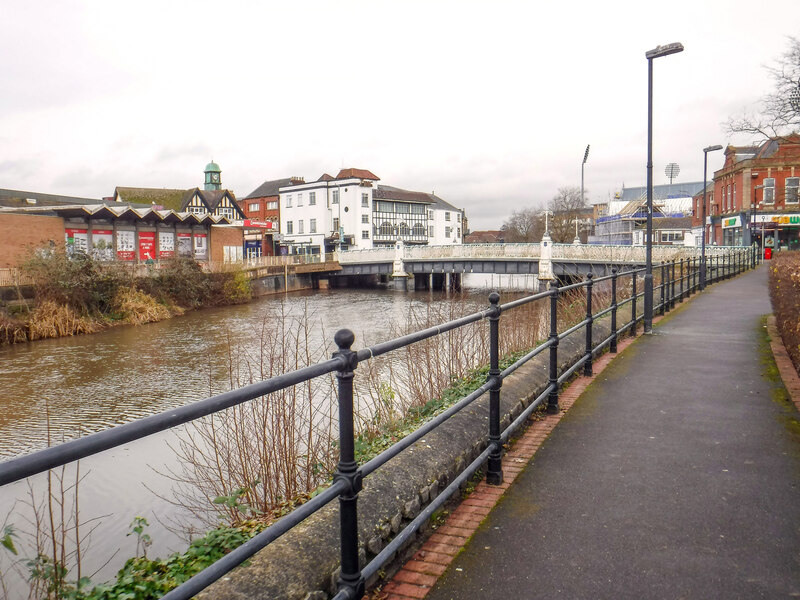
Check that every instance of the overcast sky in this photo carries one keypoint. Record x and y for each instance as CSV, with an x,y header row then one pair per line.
x,y
488,104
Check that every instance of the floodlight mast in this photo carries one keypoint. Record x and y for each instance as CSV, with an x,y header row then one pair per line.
x,y
703,234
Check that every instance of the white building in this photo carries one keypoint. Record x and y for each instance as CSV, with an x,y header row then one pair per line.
x,y
351,211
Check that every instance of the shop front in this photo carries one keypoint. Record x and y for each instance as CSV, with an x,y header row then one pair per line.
x,y
732,231
779,232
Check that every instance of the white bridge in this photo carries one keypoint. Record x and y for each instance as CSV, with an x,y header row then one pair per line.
x,y
544,259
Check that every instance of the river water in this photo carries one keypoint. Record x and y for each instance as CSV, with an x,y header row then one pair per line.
x,y
68,387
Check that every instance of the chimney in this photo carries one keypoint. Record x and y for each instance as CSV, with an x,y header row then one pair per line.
x,y
297,180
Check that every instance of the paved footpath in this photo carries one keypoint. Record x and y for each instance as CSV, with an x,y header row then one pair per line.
x,y
676,474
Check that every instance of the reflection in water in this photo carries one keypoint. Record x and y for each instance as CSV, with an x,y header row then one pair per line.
x,y
90,383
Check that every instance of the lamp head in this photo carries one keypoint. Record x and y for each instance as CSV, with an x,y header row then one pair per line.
x,y
664,50
586,154
712,148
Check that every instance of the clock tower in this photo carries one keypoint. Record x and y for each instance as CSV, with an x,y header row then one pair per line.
x,y
213,176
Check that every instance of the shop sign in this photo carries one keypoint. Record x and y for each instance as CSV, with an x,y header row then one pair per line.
x,y
184,244
258,224
732,222
166,244
103,244
779,219
77,240
126,245
200,246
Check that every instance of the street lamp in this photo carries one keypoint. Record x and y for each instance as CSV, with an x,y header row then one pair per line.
x,y
648,277
577,239
754,216
703,235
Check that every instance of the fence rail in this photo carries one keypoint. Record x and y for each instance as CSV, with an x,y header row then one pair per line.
x,y
676,281
13,277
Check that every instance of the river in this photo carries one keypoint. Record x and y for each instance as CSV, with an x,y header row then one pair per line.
x,y
68,387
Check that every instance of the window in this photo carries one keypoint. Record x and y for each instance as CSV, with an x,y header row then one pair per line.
x,y
300,226
458,234
364,234
312,198
365,219
403,229
289,227
365,201
197,210
447,232
386,207
289,201
253,206
447,217
272,205
430,231
386,228
300,201
336,223
312,226
418,230
769,190
733,201
728,198
430,215
335,199
227,212
792,185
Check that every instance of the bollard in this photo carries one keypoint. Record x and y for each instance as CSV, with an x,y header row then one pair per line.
x,y
587,366
552,398
494,472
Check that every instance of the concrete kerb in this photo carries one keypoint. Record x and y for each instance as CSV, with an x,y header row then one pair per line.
x,y
303,562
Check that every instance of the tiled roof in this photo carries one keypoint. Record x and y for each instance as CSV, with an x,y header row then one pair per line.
x,y
326,177
269,188
21,198
387,192
357,174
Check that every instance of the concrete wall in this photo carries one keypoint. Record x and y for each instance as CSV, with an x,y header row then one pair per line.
x,y
303,562
19,233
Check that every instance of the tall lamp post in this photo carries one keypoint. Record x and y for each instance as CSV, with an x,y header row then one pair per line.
x,y
648,277
755,216
703,236
583,202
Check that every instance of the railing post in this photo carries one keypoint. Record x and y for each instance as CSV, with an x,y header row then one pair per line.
x,y
350,577
633,303
494,472
663,287
613,310
587,366
683,282
672,285
552,399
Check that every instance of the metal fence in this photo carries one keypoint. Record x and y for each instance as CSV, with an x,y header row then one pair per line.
x,y
676,281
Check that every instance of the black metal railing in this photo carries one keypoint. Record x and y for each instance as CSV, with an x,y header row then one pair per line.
x,y
349,475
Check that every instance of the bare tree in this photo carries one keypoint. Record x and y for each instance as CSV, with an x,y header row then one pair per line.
x,y
526,225
567,206
780,109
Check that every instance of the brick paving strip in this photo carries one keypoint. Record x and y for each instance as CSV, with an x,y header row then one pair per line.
x,y
417,576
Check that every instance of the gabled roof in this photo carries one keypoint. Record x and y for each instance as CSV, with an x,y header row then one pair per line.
x,y
326,177
357,174
212,198
270,188
169,198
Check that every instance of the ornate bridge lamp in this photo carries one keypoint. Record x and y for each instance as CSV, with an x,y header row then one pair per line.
x,y
703,235
648,277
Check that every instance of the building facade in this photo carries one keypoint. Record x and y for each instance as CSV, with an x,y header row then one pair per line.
x,y
262,214
755,196
352,211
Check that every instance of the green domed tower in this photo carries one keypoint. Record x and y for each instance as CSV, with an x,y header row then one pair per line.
x,y
213,176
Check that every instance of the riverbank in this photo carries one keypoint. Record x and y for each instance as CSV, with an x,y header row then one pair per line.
x,y
79,295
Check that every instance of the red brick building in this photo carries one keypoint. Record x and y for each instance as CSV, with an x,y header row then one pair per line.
x,y
755,196
261,209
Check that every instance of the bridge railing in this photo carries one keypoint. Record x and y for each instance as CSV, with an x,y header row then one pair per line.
x,y
676,281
